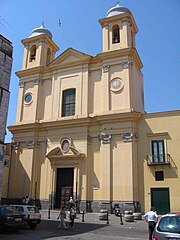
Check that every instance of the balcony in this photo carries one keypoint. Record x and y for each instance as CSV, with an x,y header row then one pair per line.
x,y
154,160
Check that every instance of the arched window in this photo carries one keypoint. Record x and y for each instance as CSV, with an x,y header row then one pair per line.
x,y
115,34
68,102
48,56
33,53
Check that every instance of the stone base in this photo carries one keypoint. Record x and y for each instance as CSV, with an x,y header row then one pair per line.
x,y
95,206
87,206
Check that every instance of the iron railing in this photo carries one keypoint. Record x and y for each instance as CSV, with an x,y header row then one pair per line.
x,y
161,159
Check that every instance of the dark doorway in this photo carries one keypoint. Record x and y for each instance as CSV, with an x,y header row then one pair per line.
x,y
64,187
160,200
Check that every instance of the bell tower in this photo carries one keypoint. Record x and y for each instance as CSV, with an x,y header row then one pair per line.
x,y
118,29
39,49
122,78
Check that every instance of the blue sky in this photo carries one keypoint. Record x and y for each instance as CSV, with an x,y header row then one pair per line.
x,y
157,42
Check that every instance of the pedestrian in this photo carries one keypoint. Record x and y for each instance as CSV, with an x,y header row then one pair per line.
x,y
27,200
24,201
71,202
72,213
62,216
151,218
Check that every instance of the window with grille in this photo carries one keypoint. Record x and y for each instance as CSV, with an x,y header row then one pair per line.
x,y
68,102
158,151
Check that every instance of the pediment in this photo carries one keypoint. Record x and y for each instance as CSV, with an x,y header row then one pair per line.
x,y
70,56
58,153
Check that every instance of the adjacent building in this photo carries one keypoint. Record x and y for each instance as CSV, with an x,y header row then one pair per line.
x,y
81,129
6,51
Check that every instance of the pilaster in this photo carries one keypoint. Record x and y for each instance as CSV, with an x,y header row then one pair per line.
x,y
105,166
105,37
105,80
25,58
20,102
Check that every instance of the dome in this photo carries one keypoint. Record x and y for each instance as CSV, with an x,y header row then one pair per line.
x,y
117,10
40,30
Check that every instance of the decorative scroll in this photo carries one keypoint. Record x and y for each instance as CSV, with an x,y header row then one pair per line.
x,y
105,138
21,84
15,145
36,81
128,136
30,144
105,68
125,64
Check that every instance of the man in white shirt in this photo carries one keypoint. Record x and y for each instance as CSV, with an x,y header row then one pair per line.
x,y
151,218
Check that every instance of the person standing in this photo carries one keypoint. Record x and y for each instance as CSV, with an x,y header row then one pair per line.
x,y
27,200
151,218
62,216
72,216
24,201
71,202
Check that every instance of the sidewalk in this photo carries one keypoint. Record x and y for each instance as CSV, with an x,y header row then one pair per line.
x,y
94,229
93,218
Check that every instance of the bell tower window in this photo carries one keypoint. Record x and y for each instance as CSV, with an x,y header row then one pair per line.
x,y
115,34
33,53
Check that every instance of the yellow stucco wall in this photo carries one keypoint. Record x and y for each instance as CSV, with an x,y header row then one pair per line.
x,y
163,126
113,170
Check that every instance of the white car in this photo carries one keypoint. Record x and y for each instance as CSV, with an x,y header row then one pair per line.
x,y
168,227
32,214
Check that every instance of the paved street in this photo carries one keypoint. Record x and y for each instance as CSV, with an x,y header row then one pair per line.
x,y
91,228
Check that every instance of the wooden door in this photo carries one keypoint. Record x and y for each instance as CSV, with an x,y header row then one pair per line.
x,y
64,187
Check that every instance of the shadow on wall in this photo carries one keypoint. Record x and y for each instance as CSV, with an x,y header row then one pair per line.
x,y
19,183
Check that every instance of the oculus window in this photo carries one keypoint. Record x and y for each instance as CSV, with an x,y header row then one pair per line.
x,y
68,102
28,98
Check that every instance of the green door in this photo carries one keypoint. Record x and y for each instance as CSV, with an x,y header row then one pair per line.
x,y
160,200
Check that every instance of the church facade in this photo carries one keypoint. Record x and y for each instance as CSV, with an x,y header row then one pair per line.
x,y
81,129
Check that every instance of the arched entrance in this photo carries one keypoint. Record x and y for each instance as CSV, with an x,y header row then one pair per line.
x,y
66,177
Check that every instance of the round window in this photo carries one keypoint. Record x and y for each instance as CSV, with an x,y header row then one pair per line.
x,y
116,84
65,145
28,98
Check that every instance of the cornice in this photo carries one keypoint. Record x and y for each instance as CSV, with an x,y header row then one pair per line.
x,y
78,122
125,52
162,114
39,37
17,128
104,21
30,71
117,117
99,58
